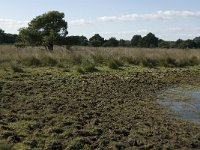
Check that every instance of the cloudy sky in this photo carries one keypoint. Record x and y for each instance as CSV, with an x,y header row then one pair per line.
x,y
168,19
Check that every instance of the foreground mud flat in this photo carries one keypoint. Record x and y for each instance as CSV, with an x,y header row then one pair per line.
x,y
113,110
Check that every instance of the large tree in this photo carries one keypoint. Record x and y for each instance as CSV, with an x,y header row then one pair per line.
x,y
112,42
96,40
47,30
136,41
149,41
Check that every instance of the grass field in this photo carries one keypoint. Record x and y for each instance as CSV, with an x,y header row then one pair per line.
x,y
111,57
93,98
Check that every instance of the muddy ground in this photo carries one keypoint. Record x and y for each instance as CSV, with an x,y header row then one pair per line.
x,y
113,110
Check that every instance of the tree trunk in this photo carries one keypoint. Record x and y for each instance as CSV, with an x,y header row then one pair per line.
x,y
50,47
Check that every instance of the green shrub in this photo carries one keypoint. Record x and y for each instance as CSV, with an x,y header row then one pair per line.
x,y
16,68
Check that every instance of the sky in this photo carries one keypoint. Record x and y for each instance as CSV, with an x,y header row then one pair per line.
x,y
167,19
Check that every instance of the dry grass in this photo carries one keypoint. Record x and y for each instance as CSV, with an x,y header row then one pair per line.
x,y
9,54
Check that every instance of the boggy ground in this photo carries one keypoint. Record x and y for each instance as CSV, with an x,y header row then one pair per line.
x,y
106,110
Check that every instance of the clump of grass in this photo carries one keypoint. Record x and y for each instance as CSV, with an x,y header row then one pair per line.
x,y
87,68
17,68
130,60
49,61
80,70
150,62
171,62
115,64
90,68
98,59
33,61
194,61
76,60
5,147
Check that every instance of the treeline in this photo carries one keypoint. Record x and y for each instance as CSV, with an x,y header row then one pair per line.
x,y
7,38
148,41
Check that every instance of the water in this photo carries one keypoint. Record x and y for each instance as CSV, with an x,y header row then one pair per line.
x,y
184,101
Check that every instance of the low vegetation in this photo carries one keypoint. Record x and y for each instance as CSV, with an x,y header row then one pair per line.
x,y
93,98
89,57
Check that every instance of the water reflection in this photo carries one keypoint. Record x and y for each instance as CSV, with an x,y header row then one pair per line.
x,y
185,101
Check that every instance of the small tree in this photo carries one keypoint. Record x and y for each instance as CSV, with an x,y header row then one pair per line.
x,y
44,30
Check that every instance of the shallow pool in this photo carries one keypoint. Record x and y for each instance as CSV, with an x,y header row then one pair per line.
x,y
184,101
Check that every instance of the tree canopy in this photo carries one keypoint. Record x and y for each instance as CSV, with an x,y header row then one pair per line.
x,y
7,38
96,40
47,29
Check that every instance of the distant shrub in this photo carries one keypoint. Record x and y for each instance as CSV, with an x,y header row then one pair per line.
x,y
16,68
115,64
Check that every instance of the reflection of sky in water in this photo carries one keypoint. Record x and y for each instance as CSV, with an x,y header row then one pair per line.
x,y
186,103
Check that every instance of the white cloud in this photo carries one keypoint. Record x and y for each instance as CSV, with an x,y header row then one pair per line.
x,y
174,29
80,22
159,15
11,25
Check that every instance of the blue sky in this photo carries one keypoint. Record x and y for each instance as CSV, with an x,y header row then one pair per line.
x,y
168,19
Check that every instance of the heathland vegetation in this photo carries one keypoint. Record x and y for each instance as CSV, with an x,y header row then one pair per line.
x,y
67,92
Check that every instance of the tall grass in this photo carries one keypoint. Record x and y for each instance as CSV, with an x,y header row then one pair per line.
x,y
113,57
